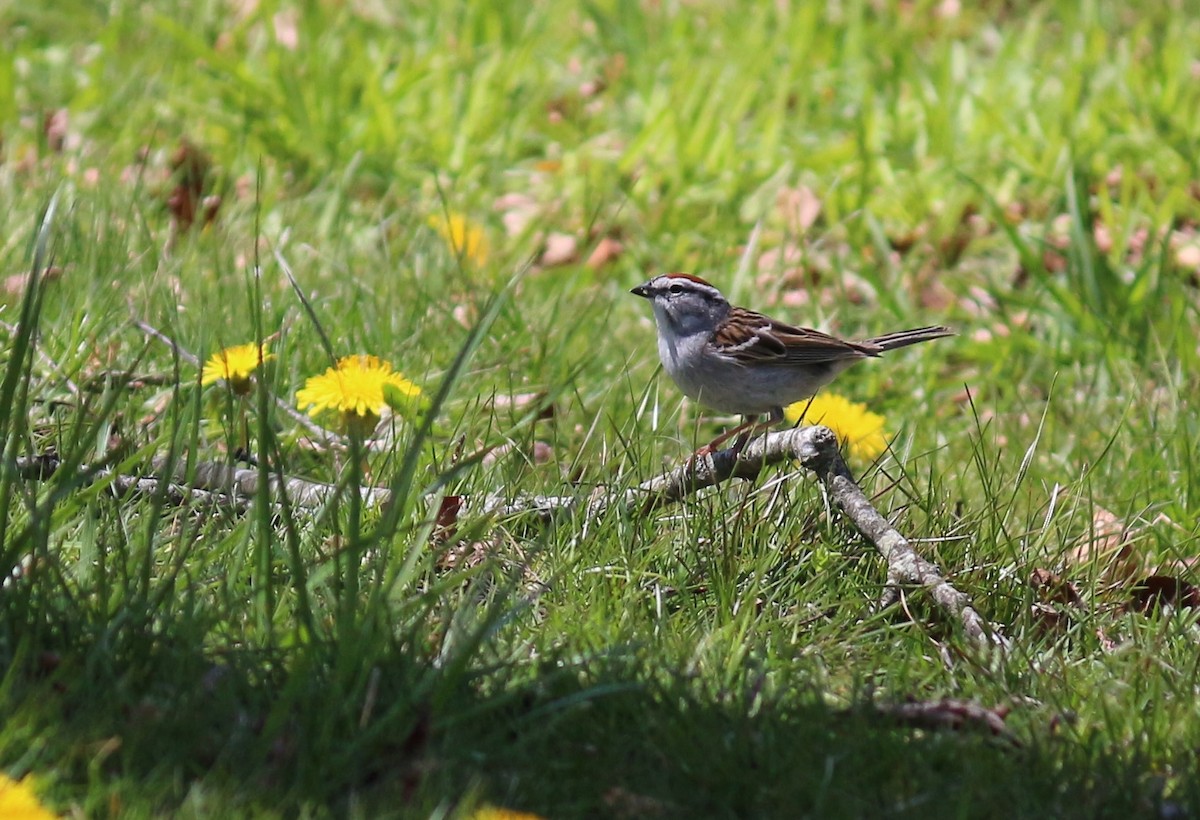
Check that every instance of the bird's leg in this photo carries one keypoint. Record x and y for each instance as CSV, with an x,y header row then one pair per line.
x,y
774,418
712,446
744,432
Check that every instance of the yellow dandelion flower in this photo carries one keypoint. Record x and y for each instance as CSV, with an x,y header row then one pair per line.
x,y
358,388
18,801
854,425
464,238
234,365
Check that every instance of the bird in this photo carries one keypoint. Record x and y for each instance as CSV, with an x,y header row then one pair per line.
x,y
735,360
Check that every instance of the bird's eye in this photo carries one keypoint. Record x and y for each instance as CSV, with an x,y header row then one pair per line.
x,y
676,289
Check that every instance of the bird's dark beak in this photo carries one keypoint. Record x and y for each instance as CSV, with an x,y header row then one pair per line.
x,y
641,290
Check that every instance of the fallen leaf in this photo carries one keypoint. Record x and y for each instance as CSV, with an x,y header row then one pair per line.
x,y
606,251
1053,588
786,260
591,88
949,714
799,206
54,126
523,401
951,248
543,453
948,9
624,803
466,555
446,523
1188,256
464,314
561,249
614,68
16,284
286,25
905,240
936,297
1057,600
1108,546
1156,591
517,211
191,199
1053,261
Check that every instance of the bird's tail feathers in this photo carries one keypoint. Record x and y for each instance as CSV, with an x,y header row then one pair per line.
x,y
904,338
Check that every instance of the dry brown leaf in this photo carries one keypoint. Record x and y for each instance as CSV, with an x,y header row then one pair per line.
x,y
561,249
1156,591
54,126
949,713
951,248
16,284
286,25
593,87
1057,599
936,297
1052,588
799,206
496,453
191,199
1053,262
614,68
948,9
903,242
543,453
607,250
523,401
1188,256
517,211
785,260
243,9
1109,547
626,804
464,315
446,524
467,555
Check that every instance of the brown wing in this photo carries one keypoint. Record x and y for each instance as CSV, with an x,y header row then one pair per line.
x,y
772,342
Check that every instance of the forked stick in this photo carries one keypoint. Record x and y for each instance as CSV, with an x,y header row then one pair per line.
x,y
815,448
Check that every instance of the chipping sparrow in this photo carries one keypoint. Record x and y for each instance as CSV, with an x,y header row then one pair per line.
x,y
737,361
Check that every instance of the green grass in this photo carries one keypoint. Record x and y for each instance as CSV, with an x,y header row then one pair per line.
x,y
1015,171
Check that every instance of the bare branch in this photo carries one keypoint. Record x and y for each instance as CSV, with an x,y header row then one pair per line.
x,y
815,448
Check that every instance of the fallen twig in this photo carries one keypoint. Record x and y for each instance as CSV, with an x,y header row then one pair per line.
x,y
950,714
815,448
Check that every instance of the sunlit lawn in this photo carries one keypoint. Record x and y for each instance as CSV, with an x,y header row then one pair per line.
x,y
468,191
